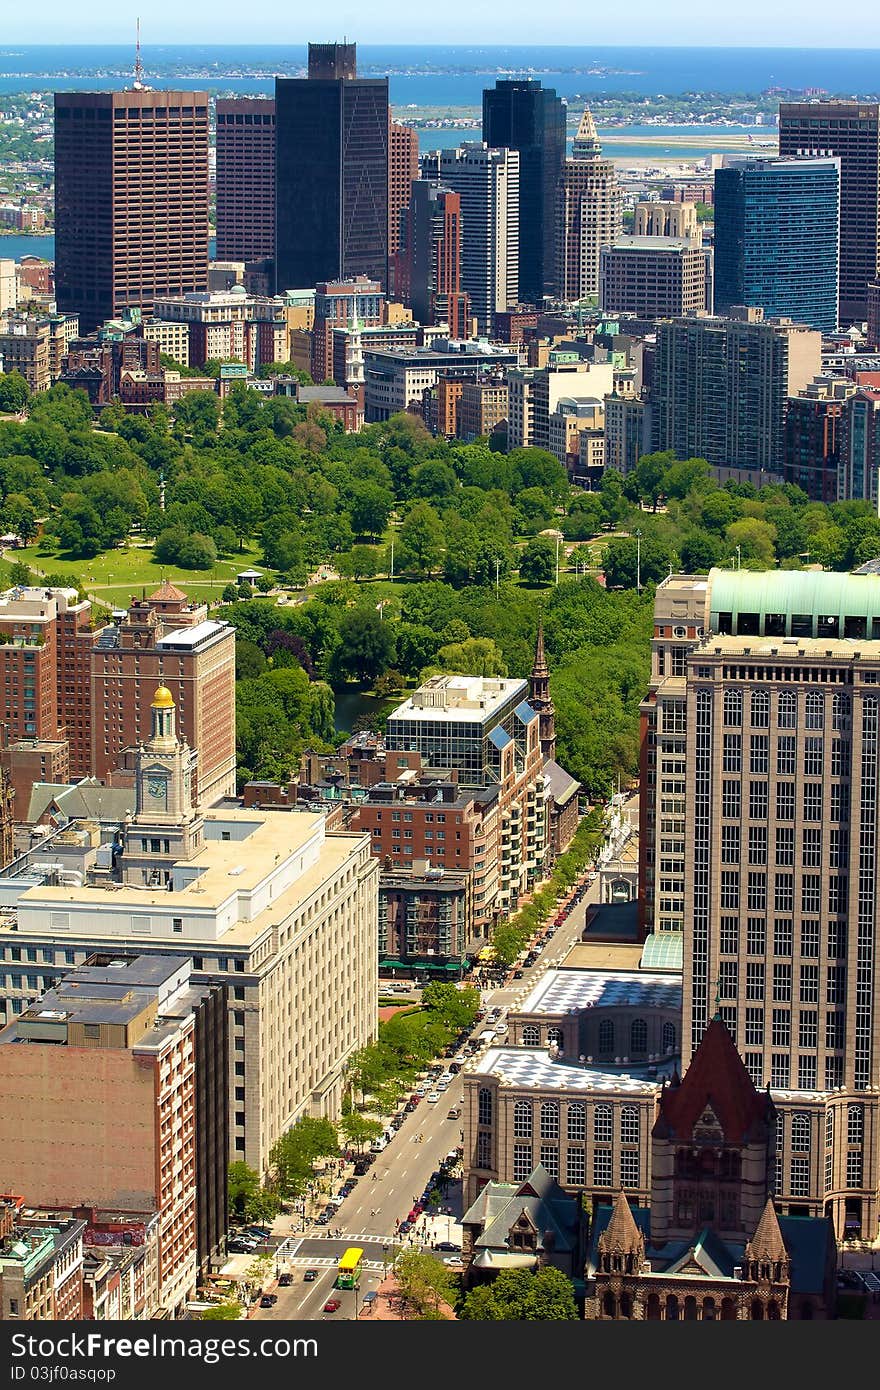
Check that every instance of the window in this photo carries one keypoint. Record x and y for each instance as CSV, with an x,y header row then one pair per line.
x,y
809,1028
484,1150
731,799
629,1124
577,1120
733,707
783,936
811,893
531,1035
786,715
800,1133
575,1167
759,753
730,844
813,757
834,1029
756,937
855,1124
854,1168
811,849
812,801
550,1159
783,893
757,844
522,1120
754,1027
602,1167
669,1037
799,1184
549,1119
759,793
786,755
728,979
638,1037
606,1037
484,1107
839,759
757,899
809,938
781,983
729,888
602,1124
629,1168
780,1069
808,1073
732,755
781,1028
760,709
785,800
809,984
840,712
815,709
522,1162
729,941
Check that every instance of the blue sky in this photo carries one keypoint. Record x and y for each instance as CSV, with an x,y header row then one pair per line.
x,y
748,23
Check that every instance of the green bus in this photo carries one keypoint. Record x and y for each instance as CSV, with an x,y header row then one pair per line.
x,y
349,1271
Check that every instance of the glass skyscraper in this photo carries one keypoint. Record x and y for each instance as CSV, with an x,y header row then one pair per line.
x,y
522,115
777,238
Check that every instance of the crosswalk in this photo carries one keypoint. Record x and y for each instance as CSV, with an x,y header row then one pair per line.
x,y
323,1262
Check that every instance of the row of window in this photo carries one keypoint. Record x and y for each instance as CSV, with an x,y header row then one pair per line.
x,y
786,709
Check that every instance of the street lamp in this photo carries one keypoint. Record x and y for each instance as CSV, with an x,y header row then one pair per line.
x,y
638,560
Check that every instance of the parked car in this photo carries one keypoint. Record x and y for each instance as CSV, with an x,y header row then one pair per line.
x,y
415,1097
517,974
448,1245
404,1228
416,1212
432,1097
285,1280
332,1305
310,1276
268,1300
322,1220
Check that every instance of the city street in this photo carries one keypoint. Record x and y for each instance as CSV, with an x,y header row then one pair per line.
x,y
395,1181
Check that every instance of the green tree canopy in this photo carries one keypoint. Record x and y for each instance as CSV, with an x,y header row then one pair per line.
x,y
516,1295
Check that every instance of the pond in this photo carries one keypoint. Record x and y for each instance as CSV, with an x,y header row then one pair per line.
x,y
351,703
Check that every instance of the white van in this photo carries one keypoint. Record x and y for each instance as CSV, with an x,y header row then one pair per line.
x,y
379,1144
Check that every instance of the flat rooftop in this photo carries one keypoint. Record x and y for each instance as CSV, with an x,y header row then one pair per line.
x,y
462,697
565,991
526,1066
798,649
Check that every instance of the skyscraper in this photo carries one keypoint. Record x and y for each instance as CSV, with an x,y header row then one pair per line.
x,y
331,172
430,258
487,181
850,130
721,386
522,115
245,179
589,214
131,199
403,167
777,234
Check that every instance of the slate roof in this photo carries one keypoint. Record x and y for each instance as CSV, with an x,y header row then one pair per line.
x,y
499,1205
717,1078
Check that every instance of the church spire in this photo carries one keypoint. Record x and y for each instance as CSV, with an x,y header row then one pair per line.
x,y
540,699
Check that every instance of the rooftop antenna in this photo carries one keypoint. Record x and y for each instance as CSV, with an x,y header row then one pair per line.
x,y
138,65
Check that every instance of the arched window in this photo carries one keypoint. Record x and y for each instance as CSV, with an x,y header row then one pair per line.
x,y
773,1310
577,1120
690,1308
602,1124
709,1312
652,1307
550,1119
606,1037
787,710
625,1306
728,1310
800,1133
733,708
671,1308
484,1106
629,1124
669,1037
522,1120
757,1310
638,1037
609,1304
554,1035
760,709
815,710
855,1124
840,712
531,1035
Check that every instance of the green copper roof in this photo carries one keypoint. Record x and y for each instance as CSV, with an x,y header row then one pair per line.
x,y
793,591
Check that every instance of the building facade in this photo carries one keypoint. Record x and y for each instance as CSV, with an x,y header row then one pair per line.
x,y
403,168
859,461
245,179
131,199
813,424
777,238
850,132
487,182
589,214
720,389
429,258
331,163
652,277
520,114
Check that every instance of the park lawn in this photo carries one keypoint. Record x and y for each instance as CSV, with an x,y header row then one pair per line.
x,y
115,575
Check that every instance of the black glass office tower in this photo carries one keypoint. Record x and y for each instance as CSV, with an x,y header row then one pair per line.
x,y
777,238
331,162
522,115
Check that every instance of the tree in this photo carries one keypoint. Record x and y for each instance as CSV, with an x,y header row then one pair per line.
x,y
222,1312
292,1157
647,481
516,1295
357,1129
247,1199
366,646
537,564
700,550
627,563
756,541
421,539
476,656
370,507
424,1284
456,1008
192,551
14,391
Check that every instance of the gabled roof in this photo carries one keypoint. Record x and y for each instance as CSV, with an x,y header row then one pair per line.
x,y
709,1255
168,593
716,1079
548,1207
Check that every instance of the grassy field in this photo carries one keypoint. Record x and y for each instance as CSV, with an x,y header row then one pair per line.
x,y
116,575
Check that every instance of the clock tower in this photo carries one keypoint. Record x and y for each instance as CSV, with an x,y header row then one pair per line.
x,y
166,826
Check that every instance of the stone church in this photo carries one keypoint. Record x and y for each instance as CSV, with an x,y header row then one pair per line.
x,y
710,1246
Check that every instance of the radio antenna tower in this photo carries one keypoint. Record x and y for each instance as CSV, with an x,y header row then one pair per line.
x,y
138,65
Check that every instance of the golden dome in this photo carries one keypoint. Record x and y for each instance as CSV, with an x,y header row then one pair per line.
x,y
163,699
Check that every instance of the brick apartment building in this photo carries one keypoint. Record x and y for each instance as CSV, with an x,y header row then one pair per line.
x,y
41,1265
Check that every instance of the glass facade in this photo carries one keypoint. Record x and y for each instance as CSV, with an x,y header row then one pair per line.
x,y
777,238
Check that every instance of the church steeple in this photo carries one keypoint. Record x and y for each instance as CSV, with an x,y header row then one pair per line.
x,y
539,697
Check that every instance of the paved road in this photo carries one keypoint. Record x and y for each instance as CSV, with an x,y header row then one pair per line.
x,y
367,1217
